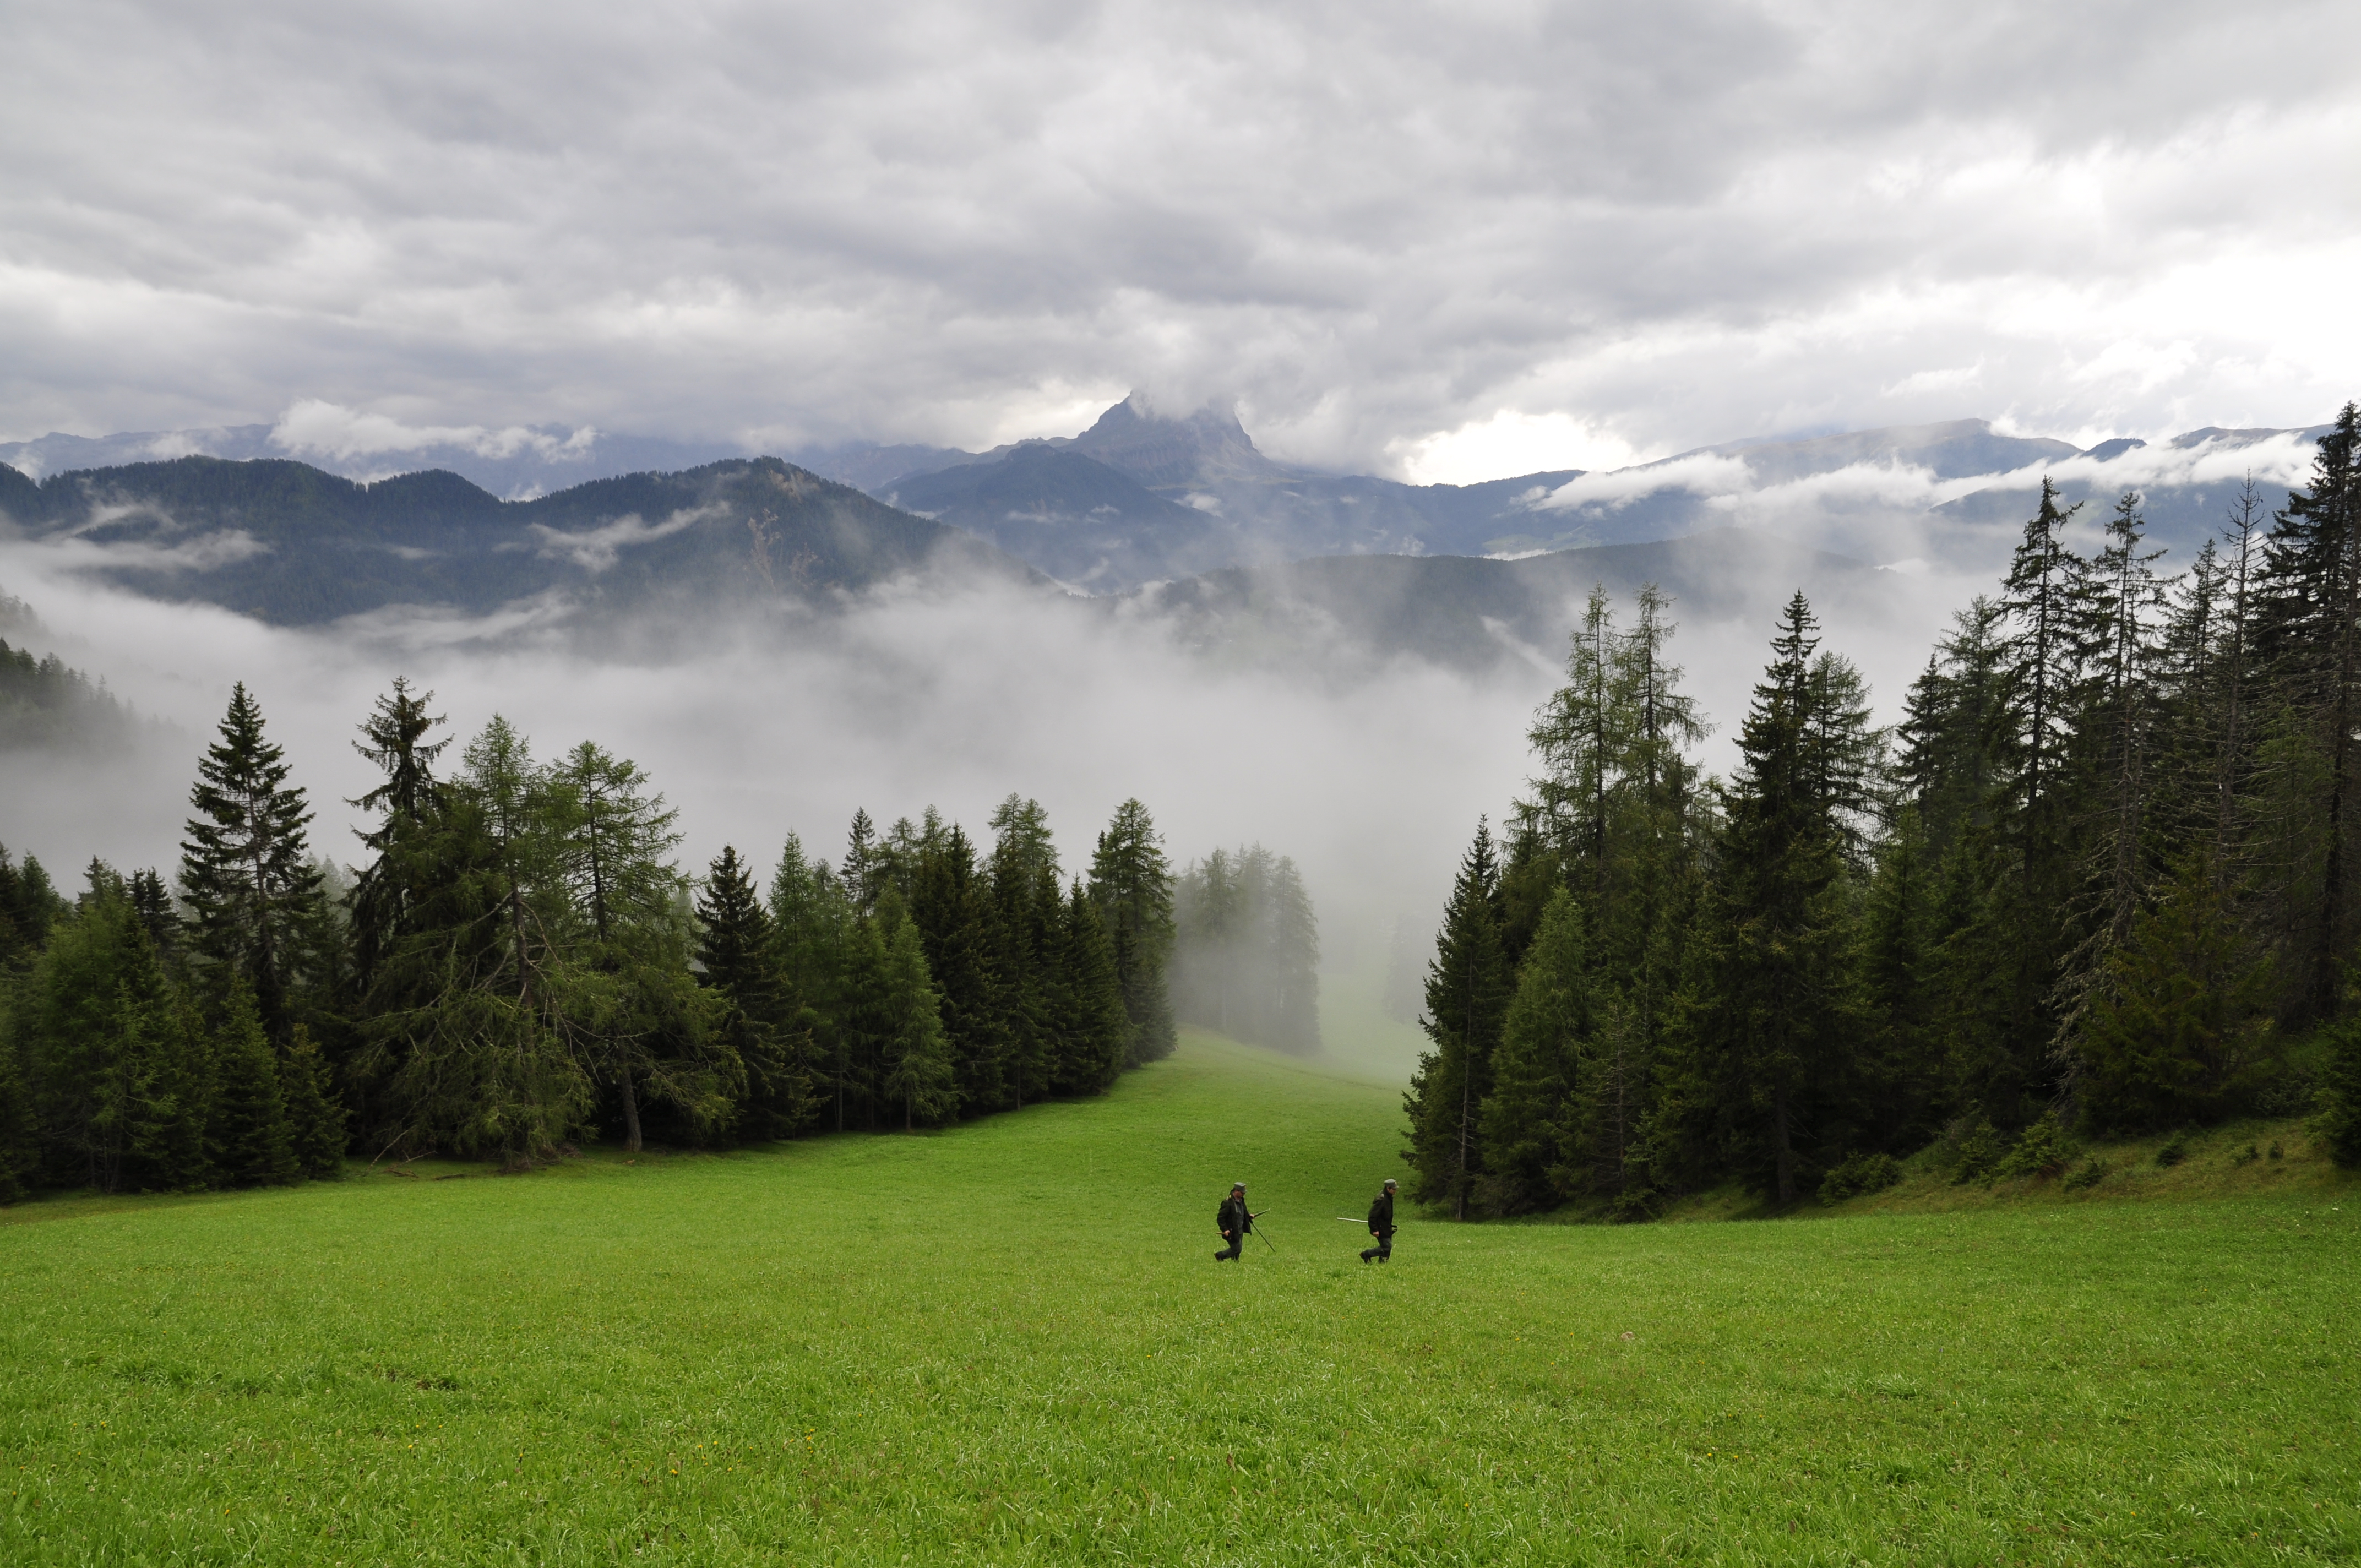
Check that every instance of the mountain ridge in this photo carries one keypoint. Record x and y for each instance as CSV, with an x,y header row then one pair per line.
x,y
293,546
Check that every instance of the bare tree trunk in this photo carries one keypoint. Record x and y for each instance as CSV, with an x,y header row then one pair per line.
x,y
630,1113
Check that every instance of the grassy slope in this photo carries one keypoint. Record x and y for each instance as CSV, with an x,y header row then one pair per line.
x,y
2226,1162
1008,1344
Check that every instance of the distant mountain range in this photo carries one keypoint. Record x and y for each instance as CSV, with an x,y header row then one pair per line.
x,y
287,543
1140,498
1182,518
516,464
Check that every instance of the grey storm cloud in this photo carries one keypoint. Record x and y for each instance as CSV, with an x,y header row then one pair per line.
x,y
1633,228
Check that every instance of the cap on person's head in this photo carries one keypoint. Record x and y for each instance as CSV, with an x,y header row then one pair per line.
x,y
1237,1187
1389,1182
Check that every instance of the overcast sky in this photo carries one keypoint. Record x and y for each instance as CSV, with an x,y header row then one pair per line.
x,y
1444,242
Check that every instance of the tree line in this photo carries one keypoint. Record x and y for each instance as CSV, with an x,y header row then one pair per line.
x,y
519,963
2101,877
1247,958
43,702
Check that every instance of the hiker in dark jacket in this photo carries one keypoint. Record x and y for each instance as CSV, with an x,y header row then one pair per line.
x,y
1234,1222
1381,1225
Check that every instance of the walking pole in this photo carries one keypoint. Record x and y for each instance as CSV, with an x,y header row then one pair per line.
x,y
1265,1240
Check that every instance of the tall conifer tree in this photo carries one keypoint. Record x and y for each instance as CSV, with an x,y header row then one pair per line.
x,y
251,1143
738,952
1772,1019
393,737
2310,635
914,1059
245,867
1467,989
1131,882
1533,1120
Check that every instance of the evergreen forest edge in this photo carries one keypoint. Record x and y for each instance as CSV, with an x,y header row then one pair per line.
x,y
2101,879
2098,879
519,963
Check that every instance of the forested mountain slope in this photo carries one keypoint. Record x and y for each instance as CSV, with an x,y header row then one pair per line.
x,y
290,544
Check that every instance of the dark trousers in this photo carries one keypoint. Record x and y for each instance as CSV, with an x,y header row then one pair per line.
x,y
1237,1245
1382,1251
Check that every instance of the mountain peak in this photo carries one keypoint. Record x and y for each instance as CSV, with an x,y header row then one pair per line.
x,y
1170,452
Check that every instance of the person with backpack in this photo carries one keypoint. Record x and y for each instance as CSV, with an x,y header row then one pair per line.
x,y
1234,1221
1381,1225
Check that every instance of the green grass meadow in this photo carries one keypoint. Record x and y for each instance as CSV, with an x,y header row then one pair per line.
x,y
1008,1344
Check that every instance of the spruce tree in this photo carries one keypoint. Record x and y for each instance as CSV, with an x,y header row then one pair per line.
x,y
393,739
21,1143
1131,882
1902,1064
171,1116
28,906
318,1121
952,905
2055,631
1212,923
92,1024
865,1023
915,1056
737,951
1772,1019
862,872
1293,944
249,1138
246,869
2338,1123
2178,1029
152,902
2309,635
1025,888
811,924
1092,1029
1953,728
1467,989
1531,1124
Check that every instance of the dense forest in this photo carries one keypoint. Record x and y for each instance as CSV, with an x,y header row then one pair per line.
x,y
1247,958
520,964
2102,877
43,703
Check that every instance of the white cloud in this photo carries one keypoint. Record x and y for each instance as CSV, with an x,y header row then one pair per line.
x,y
596,549
204,553
1700,473
1510,442
313,427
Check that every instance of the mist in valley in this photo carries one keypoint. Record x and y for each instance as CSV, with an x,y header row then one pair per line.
x,y
1368,767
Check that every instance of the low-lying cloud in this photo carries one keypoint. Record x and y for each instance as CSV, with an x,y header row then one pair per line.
x,y
596,549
